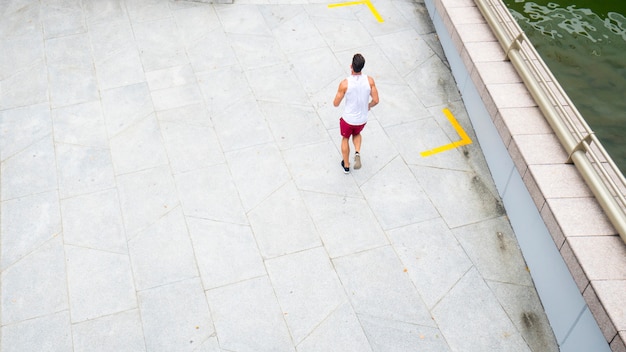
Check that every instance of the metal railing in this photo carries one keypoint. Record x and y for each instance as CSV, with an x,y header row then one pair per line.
x,y
583,147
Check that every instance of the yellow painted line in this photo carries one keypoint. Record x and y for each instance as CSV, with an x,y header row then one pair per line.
x,y
374,12
465,140
347,4
364,2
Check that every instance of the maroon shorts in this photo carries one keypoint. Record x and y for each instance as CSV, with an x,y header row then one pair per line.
x,y
348,130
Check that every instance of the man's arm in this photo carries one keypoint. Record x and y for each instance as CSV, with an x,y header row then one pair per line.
x,y
341,91
373,93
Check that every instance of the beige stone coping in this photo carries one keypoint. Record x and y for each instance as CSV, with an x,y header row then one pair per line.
x,y
590,246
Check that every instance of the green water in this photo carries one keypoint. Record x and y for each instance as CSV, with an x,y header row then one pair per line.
x,y
584,44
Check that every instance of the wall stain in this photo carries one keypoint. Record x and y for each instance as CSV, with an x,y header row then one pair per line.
x,y
501,241
487,196
535,333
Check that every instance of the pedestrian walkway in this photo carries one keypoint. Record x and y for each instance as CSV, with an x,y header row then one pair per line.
x,y
171,181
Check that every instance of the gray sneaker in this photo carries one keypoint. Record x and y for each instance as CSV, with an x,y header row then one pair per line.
x,y
357,161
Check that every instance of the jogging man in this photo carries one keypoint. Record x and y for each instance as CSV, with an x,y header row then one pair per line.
x,y
357,89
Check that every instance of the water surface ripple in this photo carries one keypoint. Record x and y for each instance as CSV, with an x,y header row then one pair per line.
x,y
584,44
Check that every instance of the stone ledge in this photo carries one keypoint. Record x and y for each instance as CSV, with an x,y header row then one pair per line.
x,y
588,243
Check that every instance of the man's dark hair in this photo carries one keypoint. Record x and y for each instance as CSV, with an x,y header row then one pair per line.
x,y
358,61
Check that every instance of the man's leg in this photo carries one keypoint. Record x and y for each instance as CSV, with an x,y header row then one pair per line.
x,y
345,151
356,139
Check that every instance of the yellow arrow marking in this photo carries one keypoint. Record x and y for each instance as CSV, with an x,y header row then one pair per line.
x,y
364,2
464,137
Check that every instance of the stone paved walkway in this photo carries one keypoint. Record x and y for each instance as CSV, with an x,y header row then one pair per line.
x,y
170,181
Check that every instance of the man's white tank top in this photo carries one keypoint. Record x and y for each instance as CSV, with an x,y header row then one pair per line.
x,y
357,100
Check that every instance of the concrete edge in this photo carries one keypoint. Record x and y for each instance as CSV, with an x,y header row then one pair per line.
x,y
589,245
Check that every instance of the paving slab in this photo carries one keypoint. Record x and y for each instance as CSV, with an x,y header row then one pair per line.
x,y
170,181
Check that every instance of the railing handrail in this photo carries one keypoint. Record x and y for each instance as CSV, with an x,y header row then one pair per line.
x,y
583,147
